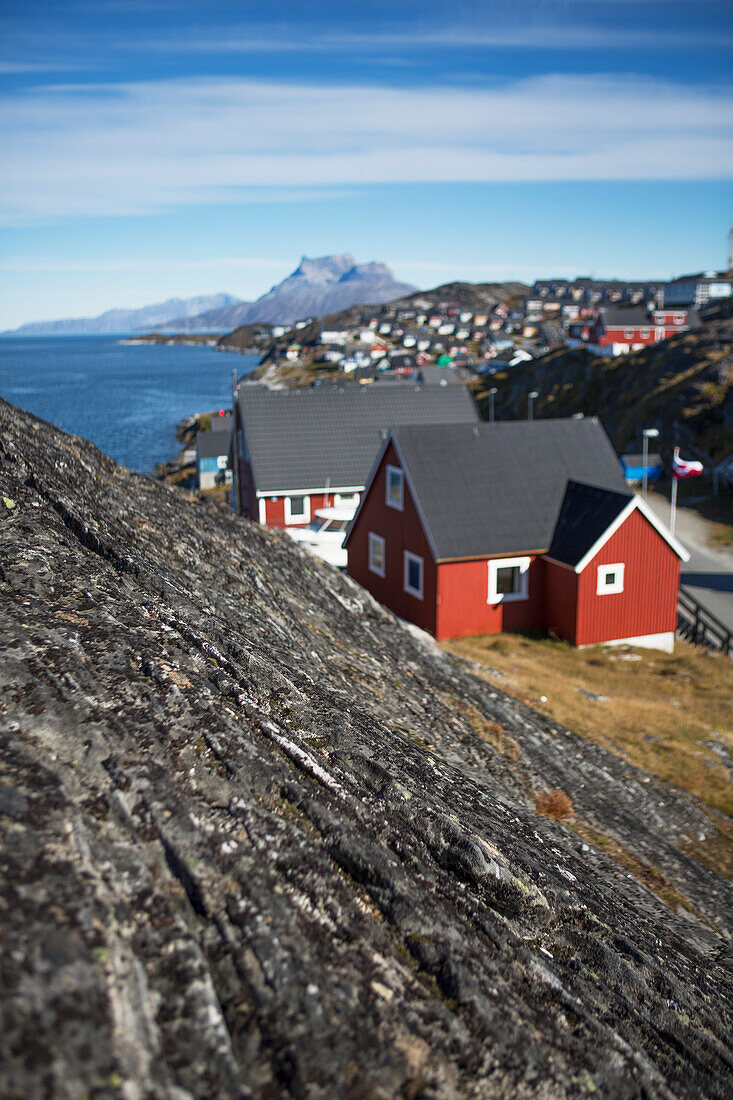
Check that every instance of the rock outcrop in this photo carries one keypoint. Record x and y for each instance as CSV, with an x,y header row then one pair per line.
x,y
261,840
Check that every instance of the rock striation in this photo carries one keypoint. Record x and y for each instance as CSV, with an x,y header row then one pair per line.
x,y
261,840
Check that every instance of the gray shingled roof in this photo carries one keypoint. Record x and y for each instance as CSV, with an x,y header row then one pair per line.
x,y
626,317
585,513
213,443
497,488
310,438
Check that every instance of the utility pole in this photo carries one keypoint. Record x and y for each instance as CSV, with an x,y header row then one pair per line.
x,y
647,434
492,394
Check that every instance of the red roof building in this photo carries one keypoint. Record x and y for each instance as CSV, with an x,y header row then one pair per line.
x,y
478,529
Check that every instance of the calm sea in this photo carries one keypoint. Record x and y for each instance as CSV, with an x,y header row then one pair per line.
x,y
125,398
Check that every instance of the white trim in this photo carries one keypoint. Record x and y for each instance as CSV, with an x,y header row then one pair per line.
x,y
494,564
330,489
634,503
378,540
262,503
604,587
407,559
663,641
306,517
389,470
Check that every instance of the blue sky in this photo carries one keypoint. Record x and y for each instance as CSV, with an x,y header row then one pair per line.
x,y
157,148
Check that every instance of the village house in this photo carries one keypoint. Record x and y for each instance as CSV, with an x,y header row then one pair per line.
x,y
617,331
697,290
212,448
513,526
296,450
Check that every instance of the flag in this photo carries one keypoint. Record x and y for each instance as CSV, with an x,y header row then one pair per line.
x,y
681,468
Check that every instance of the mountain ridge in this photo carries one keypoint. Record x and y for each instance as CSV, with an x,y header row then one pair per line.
x,y
317,287
126,320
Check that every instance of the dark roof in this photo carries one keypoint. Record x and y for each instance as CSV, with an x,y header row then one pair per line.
x,y
491,489
625,317
585,513
310,438
210,444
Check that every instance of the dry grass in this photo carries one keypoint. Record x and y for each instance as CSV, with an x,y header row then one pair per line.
x,y
554,804
671,714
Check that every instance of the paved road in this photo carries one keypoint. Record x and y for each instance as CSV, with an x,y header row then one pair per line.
x,y
708,575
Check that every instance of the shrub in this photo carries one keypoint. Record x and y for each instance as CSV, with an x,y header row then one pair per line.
x,y
554,804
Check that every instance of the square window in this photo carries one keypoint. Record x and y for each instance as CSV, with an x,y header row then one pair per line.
x,y
413,574
508,580
297,509
610,579
395,482
376,554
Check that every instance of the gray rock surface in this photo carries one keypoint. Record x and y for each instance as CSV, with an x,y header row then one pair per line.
x,y
259,839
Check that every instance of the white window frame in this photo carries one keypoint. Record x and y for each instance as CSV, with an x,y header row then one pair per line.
x,y
407,559
401,475
603,587
495,564
306,517
345,500
377,540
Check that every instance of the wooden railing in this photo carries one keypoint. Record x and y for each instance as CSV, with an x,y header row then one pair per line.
x,y
698,625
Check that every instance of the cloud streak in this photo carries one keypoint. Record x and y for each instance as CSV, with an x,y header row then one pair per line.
x,y
525,36
142,147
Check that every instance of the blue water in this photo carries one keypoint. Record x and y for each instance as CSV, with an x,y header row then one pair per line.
x,y
125,398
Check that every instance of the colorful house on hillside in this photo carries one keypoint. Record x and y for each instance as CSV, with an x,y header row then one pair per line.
x,y
617,331
212,448
512,526
297,450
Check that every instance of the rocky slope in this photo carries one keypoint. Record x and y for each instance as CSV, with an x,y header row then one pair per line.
x,y
682,386
316,287
260,840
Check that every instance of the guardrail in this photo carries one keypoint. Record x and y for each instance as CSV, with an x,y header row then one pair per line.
x,y
698,625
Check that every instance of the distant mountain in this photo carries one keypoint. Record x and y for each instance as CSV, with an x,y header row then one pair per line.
x,y
316,287
129,320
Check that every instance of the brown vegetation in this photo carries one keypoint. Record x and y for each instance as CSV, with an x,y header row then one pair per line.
x,y
554,804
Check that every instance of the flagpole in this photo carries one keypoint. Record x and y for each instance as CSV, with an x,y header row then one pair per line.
x,y
673,505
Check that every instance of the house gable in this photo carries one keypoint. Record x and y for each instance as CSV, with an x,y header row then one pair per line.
x,y
397,561
644,603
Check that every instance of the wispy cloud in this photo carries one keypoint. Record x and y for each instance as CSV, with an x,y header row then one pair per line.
x,y
526,35
131,148
10,68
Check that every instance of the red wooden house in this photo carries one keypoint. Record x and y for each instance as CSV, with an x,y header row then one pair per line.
x,y
618,330
294,451
477,529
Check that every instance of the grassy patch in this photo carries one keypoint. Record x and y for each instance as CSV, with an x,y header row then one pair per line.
x,y
671,714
